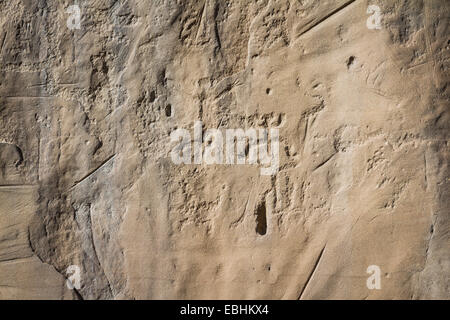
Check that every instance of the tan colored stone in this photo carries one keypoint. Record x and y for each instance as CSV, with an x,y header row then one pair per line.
x,y
86,176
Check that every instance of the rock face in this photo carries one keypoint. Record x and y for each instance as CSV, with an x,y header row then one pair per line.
x,y
357,208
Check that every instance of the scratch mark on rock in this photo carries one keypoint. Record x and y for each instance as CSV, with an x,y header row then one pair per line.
x,y
324,162
4,186
93,171
425,171
3,42
316,264
345,5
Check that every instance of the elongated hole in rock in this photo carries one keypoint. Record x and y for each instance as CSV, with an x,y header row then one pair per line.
x,y
152,96
168,110
261,219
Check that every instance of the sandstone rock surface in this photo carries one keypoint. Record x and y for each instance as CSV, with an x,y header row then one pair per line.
x,y
87,179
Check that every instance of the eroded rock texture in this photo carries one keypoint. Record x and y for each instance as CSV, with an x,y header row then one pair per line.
x,y
86,176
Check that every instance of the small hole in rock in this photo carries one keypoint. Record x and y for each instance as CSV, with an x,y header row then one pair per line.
x,y
268,91
152,96
20,156
168,110
350,61
261,219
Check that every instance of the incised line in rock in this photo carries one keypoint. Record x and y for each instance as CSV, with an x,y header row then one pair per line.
x,y
327,16
93,171
316,264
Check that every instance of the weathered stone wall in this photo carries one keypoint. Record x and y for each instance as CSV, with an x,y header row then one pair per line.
x,y
87,178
